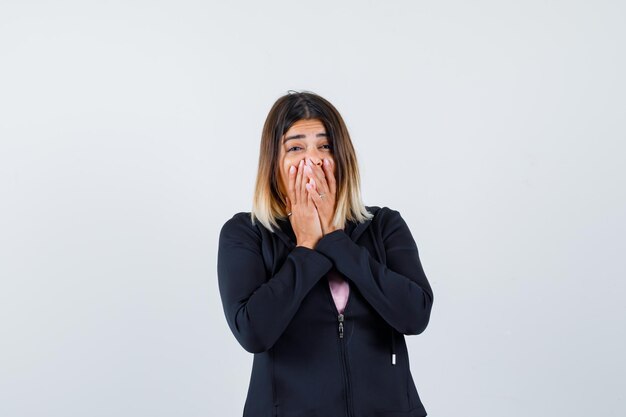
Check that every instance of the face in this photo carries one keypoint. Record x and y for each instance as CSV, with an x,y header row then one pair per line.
x,y
305,139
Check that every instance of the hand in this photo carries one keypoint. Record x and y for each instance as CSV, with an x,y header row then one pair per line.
x,y
304,219
323,191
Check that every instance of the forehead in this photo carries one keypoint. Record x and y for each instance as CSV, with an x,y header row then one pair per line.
x,y
306,126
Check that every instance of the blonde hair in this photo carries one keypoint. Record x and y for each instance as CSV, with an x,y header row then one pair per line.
x,y
269,204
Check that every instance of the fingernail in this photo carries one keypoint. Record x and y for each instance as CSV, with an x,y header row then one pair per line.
x,y
292,169
326,162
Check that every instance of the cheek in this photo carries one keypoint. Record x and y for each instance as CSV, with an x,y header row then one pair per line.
x,y
287,163
334,165
284,171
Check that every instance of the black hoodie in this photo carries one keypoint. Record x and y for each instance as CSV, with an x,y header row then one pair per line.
x,y
309,360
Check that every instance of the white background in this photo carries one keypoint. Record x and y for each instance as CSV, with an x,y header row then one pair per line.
x,y
129,133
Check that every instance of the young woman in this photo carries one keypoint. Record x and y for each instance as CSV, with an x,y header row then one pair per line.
x,y
320,287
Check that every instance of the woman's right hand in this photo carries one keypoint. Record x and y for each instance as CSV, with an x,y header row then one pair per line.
x,y
304,219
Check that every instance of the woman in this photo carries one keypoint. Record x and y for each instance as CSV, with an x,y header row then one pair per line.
x,y
318,286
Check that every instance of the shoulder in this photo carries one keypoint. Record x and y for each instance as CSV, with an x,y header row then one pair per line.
x,y
241,219
387,220
240,226
383,215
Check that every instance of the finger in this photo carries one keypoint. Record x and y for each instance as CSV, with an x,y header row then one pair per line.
x,y
316,172
314,196
305,180
313,183
330,176
291,186
298,185
288,204
319,190
309,185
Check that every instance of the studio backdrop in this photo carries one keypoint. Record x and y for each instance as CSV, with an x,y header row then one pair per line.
x,y
129,133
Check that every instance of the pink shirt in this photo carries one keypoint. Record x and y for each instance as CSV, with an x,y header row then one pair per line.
x,y
339,289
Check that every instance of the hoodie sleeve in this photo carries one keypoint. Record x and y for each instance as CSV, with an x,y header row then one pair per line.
x,y
398,290
258,307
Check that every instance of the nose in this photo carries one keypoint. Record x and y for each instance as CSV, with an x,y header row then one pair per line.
x,y
315,156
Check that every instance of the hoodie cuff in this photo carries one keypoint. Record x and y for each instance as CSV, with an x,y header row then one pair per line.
x,y
335,245
314,262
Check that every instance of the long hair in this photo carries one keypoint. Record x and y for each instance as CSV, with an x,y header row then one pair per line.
x,y
269,204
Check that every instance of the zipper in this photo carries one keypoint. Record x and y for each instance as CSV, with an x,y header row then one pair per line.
x,y
344,364
341,318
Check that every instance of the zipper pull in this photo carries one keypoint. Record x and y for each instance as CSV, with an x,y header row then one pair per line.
x,y
340,318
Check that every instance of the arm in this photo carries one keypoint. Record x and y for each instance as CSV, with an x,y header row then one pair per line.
x,y
259,309
399,290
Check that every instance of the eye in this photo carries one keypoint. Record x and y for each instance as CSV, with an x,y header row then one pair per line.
x,y
294,148
327,146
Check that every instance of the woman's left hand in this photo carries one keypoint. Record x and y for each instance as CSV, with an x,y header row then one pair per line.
x,y
323,192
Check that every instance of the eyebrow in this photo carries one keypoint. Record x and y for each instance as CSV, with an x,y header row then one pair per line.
x,y
319,135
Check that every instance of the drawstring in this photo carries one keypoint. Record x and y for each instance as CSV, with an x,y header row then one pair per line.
x,y
393,347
